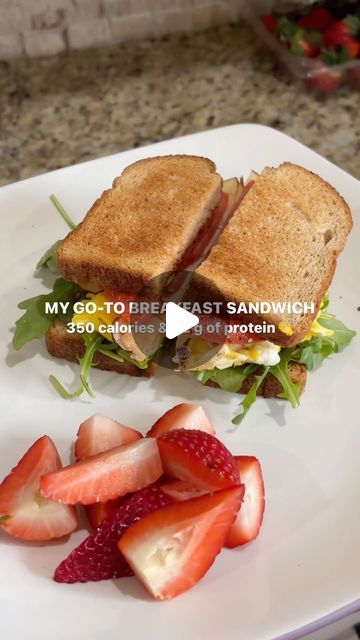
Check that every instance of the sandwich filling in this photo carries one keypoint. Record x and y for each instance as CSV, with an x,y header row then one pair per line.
x,y
233,363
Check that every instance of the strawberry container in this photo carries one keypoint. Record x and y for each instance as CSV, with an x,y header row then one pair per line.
x,y
310,71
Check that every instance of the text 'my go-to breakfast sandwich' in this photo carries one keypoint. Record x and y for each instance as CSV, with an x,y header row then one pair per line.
x,y
267,248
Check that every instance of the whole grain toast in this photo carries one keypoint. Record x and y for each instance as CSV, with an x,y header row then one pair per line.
x,y
281,244
71,347
140,228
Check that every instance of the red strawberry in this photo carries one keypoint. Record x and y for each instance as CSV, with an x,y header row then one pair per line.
x,y
249,519
318,18
269,23
99,433
338,33
353,77
99,511
106,476
198,458
24,513
98,557
179,490
172,549
95,435
182,416
323,79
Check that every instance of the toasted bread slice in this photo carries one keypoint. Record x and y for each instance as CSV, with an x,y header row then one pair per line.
x,y
271,387
281,245
70,346
141,227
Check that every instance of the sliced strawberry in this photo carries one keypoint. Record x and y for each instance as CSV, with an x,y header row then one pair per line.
x,y
249,519
182,416
98,512
24,513
99,433
198,458
106,476
179,490
98,557
95,435
172,549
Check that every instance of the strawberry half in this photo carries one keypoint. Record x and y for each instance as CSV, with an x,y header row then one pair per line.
x,y
99,433
95,435
98,557
249,519
24,513
105,476
172,549
179,490
198,458
182,416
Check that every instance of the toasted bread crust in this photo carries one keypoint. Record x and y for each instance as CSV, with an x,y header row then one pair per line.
x,y
140,228
281,245
70,346
271,387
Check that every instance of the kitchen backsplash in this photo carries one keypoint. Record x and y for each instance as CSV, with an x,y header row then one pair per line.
x,y
47,27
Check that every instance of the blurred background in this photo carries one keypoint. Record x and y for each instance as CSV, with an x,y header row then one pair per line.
x,y
81,79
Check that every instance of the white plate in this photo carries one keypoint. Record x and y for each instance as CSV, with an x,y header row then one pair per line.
x,y
306,562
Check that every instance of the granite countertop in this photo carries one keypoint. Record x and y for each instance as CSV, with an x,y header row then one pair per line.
x,y
81,105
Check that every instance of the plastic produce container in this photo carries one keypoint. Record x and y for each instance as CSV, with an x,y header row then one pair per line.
x,y
311,72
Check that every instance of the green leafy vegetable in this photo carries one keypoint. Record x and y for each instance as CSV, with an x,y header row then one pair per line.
x,y
62,212
48,260
250,396
230,379
34,323
92,342
112,350
291,390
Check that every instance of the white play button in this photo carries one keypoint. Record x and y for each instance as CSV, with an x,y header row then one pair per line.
x,y
178,320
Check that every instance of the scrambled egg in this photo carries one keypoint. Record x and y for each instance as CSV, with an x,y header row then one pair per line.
x,y
99,317
229,355
262,352
317,329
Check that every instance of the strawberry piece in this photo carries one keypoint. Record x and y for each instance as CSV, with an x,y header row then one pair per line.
x,y
172,549
98,557
179,490
95,435
99,511
99,433
249,519
24,513
105,476
323,79
318,18
182,416
198,458
269,23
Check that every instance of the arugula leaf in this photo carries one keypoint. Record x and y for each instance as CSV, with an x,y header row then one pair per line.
x,y
34,323
291,390
62,212
341,336
230,379
49,258
92,342
112,350
250,396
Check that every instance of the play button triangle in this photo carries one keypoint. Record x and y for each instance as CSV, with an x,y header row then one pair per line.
x,y
178,320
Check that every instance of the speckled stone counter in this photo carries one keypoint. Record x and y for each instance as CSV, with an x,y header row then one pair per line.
x,y
74,107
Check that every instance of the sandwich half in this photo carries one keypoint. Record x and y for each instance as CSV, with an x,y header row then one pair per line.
x,y
280,246
160,215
